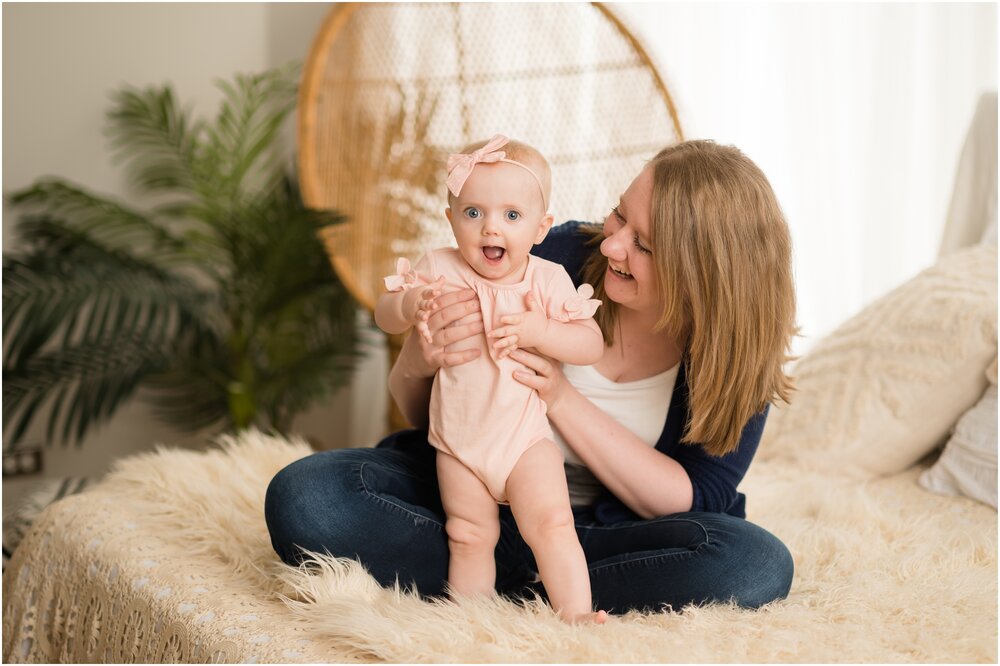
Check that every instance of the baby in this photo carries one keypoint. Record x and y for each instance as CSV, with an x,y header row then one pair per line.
x,y
493,440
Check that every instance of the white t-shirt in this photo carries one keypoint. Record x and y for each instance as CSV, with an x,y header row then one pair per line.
x,y
641,406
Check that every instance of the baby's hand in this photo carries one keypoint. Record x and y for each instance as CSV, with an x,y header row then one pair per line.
x,y
525,330
419,303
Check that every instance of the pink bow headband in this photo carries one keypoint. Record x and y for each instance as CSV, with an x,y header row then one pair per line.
x,y
460,165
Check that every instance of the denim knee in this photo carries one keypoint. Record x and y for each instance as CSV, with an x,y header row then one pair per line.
x,y
295,505
280,511
766,568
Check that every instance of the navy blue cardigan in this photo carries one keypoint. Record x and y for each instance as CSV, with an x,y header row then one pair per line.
x,y
713,479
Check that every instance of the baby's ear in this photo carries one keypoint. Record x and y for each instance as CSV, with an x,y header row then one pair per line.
x,y
447,213
543,229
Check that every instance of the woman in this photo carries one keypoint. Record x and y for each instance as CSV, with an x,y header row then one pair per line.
x,y
694,269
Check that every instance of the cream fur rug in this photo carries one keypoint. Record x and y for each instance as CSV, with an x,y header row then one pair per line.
x,y
885,572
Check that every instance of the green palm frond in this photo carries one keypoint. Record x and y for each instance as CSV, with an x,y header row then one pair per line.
x,y
157,141
193,393
277,251
317,364
241,141
69,286
219,304
82,383
301,315
106,220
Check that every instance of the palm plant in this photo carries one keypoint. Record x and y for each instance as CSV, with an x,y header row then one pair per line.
x,y
218,303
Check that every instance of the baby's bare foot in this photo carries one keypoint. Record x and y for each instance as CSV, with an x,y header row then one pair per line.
x,y
600,617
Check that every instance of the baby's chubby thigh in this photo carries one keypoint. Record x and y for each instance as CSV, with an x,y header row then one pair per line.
x,y
473,522
539,496
472,525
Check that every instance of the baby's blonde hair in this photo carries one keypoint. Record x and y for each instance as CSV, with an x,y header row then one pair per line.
x,y
529,156
723,261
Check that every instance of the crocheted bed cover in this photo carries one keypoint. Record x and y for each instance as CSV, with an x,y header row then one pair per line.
x,y
113,575
168,560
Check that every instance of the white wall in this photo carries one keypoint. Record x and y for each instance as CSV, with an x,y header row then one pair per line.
x,y
60,61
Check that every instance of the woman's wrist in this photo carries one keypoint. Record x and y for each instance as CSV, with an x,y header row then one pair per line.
x,y
555,406
411,364
551,409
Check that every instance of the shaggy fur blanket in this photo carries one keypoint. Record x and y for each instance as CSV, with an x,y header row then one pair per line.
x,y
885,572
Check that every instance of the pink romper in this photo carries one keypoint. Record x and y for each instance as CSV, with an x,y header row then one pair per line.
x,y
479,413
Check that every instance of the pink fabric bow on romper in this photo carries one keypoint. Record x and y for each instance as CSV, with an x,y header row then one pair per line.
x,y
404,278
582,306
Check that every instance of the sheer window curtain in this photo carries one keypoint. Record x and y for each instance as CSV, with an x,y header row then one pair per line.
x,y
856,112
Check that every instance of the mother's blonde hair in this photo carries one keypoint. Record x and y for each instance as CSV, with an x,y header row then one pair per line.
x,y
724,275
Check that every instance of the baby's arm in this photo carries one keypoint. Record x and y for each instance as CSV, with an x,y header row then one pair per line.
x,y
396,311
577,341
404,305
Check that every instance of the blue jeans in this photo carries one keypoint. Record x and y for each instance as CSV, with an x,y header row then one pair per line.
x,y
382,507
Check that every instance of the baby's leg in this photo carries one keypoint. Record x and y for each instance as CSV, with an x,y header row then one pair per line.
x,y
539,500
473,527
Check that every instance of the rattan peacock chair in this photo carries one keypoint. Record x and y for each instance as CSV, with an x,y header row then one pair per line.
x,y
389,90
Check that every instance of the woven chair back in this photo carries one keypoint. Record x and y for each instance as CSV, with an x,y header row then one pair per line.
x,y
390,89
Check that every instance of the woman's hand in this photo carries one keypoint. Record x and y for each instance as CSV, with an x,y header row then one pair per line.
x,y
451,318
527,329
544,375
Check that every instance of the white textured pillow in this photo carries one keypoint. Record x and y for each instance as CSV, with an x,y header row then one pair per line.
x,y
886,387
968,465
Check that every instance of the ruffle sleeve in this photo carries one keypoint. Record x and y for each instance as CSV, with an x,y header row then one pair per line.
x,y
581,306
404,278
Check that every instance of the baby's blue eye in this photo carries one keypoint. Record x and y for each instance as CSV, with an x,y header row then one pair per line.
x,y
472,213
513,216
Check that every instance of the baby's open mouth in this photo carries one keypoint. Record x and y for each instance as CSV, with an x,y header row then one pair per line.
x,y
493,253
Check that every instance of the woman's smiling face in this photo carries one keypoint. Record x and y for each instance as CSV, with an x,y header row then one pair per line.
x,y
631,274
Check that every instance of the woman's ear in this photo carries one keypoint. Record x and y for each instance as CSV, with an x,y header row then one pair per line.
x,y
543,229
